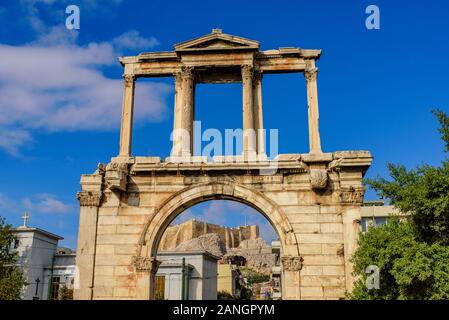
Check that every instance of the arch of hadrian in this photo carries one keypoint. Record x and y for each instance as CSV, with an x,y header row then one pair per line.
x,y
312,200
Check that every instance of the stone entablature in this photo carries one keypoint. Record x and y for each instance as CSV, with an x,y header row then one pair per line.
x,y
219,58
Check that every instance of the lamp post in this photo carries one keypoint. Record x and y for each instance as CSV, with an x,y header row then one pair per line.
x,y
36,297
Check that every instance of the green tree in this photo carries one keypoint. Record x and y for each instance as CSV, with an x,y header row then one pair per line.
x,y
422,192
409,268
65,293
412,254
11,277
224,295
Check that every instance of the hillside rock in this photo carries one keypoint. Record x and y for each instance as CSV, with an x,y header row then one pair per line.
x,y
210,242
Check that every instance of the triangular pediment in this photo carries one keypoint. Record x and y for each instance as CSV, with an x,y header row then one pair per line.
x,y
217,41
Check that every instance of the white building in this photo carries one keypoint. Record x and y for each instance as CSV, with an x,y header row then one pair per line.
x,y
187,276
276,279
46,268
376,213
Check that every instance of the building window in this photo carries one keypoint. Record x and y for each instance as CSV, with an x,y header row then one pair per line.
x,y
373,222
16,243
55,284
160,287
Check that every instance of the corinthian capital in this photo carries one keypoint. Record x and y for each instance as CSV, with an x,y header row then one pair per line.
x,y
89,198
187,71
129,79
145,264
352,195
247,71
311,73
291,263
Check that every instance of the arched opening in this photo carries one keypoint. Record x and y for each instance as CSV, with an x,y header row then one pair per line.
x,y
219,249
167,213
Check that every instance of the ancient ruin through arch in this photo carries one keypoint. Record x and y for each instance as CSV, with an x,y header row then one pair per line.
x,y
312,199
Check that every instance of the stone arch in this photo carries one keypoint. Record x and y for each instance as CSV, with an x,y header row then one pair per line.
x,y
158,222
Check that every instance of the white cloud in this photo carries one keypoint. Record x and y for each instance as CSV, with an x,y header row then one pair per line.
x,y
47,203
57,35
134,41
61,88
11,140
54,84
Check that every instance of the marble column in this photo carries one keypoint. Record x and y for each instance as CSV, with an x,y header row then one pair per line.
x,y
312,98
187,111
249,136
87,242
177,136
258,116
127,116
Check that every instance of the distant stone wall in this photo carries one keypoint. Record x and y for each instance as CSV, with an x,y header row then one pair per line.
x,y
257,253
231,237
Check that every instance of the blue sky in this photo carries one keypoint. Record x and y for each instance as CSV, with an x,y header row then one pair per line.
x,y
60,90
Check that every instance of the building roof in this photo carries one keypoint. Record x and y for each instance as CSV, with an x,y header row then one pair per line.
x,y
37,230
166,264
380,211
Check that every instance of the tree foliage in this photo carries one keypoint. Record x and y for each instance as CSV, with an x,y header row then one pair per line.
x,y
65,293
224,295
409,268
11,277
413,255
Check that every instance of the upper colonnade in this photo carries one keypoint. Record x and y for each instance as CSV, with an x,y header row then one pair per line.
x,y
219,58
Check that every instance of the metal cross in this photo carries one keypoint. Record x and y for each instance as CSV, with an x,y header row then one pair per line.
x,y
25,218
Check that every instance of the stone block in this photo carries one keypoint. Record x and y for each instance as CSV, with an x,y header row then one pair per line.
x,y
106,229
331,228
311,270
334,270
129,228
309,249
104,271
334,292
306,227
103,291
312,292
117,239
325,280
323,260
320,238
105,249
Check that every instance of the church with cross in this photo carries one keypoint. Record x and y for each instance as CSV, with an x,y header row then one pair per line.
x,y
46,267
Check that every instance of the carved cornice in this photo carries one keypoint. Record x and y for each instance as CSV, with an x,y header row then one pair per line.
x,y
117,175
291,263
352,195
146,264
89,198
318,178
129,79
311,74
